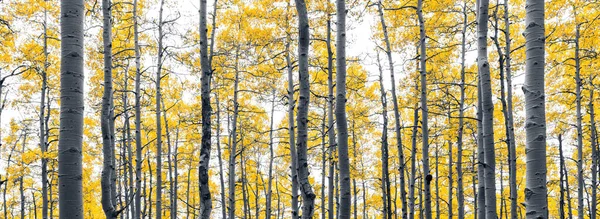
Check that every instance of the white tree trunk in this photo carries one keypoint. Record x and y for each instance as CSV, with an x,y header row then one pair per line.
x,y
71,110
535,112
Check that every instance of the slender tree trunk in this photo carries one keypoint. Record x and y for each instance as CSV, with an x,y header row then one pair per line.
x,y
172,187
450,183
221,173
437,182
535,114
21,189
138,112
388,51
206,66
413,166
43,145
487,111
594,155
512,145
424,112
385,181
71,110
580,181
324,164
308,196
340,113
108,143
331,130
562,176
233,147
158,111
271,158
461,113
293,153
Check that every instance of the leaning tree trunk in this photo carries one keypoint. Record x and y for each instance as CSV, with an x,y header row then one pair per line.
x,y
340,113
205,64
308,196
580,182
535,112
487,110
388,51
71,110
158,111
138,126
461,112
43,145
108,204
424,125
385,180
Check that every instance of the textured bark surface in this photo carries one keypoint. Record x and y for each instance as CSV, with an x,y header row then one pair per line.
x,y
292,133
43,145
70,200
345,204
480,157
308,196
205,64
108,143
487,110
535,112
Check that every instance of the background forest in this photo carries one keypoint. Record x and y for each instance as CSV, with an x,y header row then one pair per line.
x,y
285,109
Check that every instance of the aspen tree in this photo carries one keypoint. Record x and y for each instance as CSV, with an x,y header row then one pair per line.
x,y
535,124
308,196
70,139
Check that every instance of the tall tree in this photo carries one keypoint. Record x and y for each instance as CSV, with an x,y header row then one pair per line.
x,y
108,142
578,84
385,182
424,112
487,110
593,133
43,145
388,52
535,112
158,111
308,196
331,131
138,111
461,112
293,153
205,64
340,113
233,146
71,110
